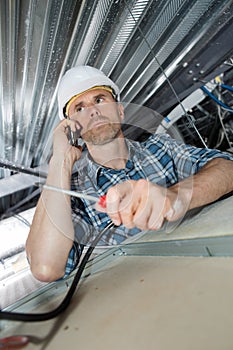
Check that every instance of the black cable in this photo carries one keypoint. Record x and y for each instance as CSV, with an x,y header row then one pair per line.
x,y
21,169
30,317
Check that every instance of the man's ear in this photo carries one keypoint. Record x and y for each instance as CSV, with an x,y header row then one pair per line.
x,y
121,111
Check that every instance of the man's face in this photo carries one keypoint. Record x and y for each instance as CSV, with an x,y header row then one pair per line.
x,y
99,116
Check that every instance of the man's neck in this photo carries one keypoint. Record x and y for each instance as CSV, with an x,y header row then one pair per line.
x,y
111,155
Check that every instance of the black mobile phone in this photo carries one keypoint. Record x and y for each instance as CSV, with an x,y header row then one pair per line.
x,y
73,136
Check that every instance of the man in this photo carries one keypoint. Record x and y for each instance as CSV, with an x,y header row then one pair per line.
x,y
145,183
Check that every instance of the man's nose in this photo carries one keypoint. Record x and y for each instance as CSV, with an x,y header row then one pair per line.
x,y
94,111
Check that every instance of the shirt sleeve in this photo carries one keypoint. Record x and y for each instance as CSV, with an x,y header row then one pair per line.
x,y
188,160
83,232
73,258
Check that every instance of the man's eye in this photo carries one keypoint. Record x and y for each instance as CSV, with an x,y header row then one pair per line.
x,y
99,100
79,109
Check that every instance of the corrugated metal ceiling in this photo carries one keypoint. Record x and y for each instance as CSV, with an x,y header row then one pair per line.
x,y
139,43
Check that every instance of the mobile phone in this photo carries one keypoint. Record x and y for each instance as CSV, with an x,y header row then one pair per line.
x,y
73,136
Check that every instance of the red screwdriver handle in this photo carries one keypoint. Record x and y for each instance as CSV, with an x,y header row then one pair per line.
x,y
14,342
102,201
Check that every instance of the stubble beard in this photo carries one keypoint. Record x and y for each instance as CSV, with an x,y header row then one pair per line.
x,y
102,134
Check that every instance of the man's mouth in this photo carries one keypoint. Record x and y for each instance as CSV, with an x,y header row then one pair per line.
x,y
97,123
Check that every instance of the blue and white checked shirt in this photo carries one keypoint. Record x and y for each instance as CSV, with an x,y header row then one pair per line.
x,y
159,159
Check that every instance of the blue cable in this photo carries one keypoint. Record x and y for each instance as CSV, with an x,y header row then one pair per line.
x,y
204,89
227,87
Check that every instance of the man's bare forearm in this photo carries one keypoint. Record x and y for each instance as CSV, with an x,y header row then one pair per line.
x,y
51,233
212,182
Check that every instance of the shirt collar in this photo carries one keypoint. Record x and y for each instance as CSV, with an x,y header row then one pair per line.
x,y
94,169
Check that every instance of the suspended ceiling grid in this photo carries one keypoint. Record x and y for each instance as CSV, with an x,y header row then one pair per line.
x,y
139,44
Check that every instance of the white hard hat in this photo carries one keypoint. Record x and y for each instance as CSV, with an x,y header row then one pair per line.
x,y
79,79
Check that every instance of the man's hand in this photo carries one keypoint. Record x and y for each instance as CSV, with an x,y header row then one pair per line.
x,y
62,149
145,205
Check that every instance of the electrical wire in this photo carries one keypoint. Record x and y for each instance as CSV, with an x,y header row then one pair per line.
x,y
22,219
38,317
18,168
222,104
227,87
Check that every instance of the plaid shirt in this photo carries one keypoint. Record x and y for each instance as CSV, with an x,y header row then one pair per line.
x,y
159,159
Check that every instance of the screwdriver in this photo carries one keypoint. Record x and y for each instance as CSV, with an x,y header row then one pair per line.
x,y
100,200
